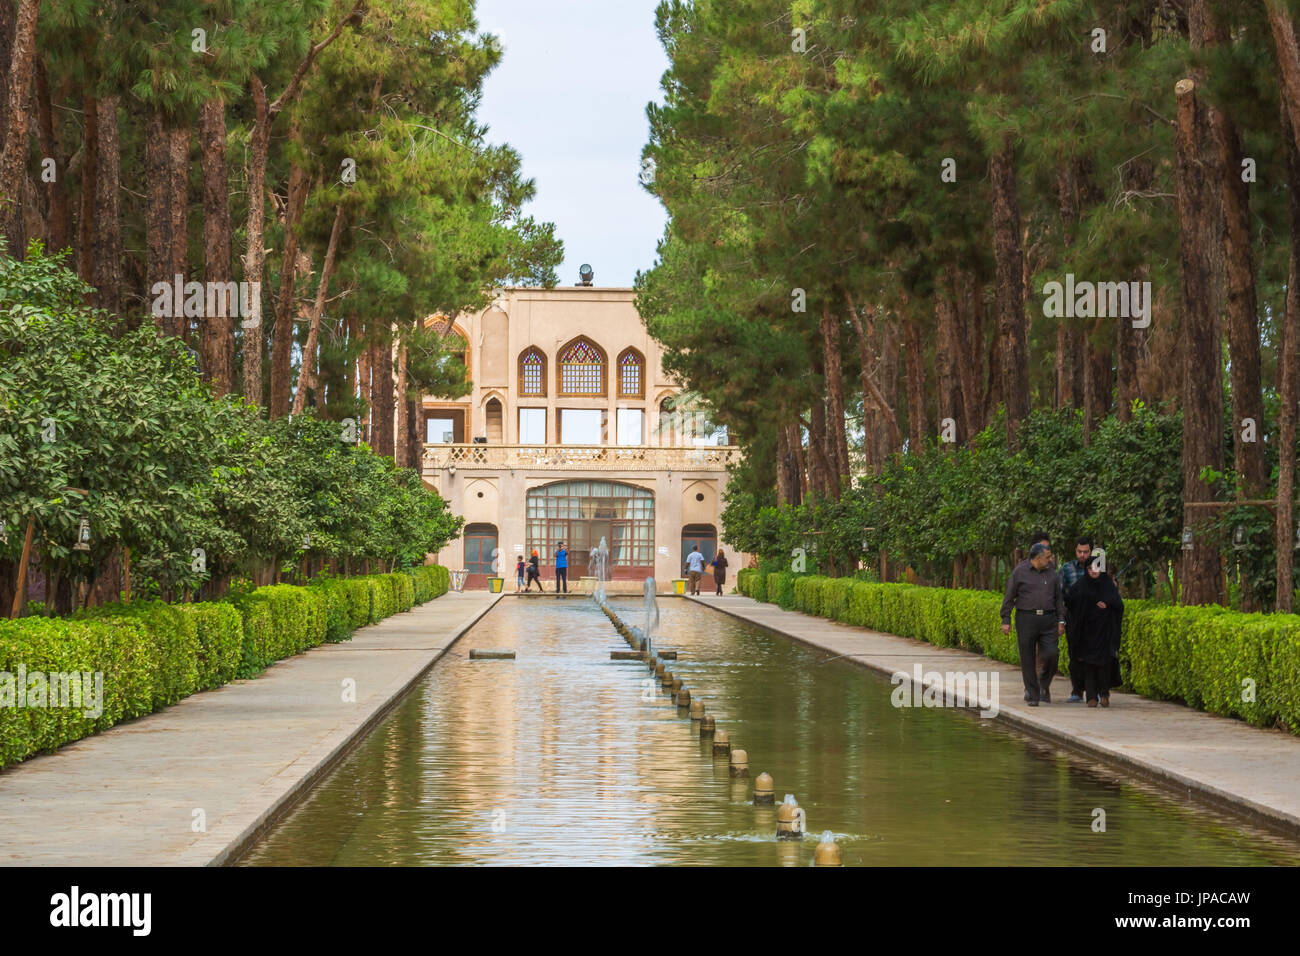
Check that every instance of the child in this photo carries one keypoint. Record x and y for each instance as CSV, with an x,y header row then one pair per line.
x,y
519,575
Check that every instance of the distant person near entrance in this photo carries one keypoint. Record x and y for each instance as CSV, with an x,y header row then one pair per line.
x,y
1034,591
695,569
719,570
561,568
534,572
519,574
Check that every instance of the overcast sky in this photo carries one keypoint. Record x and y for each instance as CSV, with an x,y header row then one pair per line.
x,y
570,96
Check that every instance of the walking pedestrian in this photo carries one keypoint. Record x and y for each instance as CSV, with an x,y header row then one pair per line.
x,y
519,574
561,568
1071,573
1098,612
719,570
695,569
534,572
1035,593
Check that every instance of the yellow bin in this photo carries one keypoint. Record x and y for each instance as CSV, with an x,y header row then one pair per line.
x,y
679,585
494,584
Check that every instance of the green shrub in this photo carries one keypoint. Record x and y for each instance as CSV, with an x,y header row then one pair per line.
x,y
745,578
152,654
221,638
119,649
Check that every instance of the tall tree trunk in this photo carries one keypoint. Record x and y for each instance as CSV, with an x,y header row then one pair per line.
x,y
1288,58
403,450
1289,374
178,206
255,254
60,210
1097,383
414,441
1069,334
837,441
13,173
282,337
264,115
787,465
968,343
947,356
167,172
1126,365
91,183
1009,260
107,230
821,467
381,399
1207,32
365,364
307,378
1201,386
865,362
887,367
218,334
916,425
1242,315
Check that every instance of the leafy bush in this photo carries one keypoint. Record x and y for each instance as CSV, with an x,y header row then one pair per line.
x,y
152,654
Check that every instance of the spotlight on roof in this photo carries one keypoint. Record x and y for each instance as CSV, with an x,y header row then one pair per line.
x,y
585,275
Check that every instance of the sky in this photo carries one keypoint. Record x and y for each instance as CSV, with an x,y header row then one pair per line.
x,y
570,95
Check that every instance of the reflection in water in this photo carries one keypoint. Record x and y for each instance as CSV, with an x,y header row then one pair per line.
x,y
556,758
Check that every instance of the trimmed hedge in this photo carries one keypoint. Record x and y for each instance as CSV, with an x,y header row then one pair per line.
x,y
1211,658
153,654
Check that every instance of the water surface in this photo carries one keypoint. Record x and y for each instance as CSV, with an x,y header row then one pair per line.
x,y
565,757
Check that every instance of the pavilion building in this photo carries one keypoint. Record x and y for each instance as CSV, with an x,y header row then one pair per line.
x,y
573,432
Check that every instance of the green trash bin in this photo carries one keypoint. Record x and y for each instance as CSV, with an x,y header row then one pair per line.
x,y
494,584
679,585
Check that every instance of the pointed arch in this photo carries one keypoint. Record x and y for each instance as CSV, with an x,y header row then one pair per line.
x,y
532,372
631,373
580,368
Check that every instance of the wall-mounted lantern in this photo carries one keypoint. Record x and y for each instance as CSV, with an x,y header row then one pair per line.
x,y
1239,538
83,536
1187,539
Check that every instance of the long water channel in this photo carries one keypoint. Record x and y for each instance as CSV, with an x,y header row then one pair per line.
x,y
562,757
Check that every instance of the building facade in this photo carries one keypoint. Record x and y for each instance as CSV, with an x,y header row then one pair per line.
x,y
572,432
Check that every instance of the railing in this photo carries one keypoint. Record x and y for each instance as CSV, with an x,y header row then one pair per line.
x,y
585,457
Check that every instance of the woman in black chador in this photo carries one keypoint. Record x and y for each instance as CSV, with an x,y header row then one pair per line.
x,y
1097,607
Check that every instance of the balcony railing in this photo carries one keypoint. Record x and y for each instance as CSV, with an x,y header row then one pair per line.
x,y
582,457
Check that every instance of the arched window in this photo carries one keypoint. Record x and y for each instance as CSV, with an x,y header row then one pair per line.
x,y
532,372
453,341
631,374
581,368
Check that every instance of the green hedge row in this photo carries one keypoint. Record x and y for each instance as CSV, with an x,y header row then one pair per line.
x,y
153,654
1224,661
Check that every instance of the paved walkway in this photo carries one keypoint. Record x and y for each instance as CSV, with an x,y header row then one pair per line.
x,y
239,753
1223,759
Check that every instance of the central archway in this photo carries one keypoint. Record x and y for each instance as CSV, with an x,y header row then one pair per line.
x,y
580,513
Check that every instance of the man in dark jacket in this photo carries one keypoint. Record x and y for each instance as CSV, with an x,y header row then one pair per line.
x,y
1034,591
1071,572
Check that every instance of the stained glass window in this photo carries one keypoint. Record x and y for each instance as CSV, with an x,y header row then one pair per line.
x,y
630,374
532,373
582,370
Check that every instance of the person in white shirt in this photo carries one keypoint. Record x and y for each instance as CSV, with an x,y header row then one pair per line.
x,y
695,569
